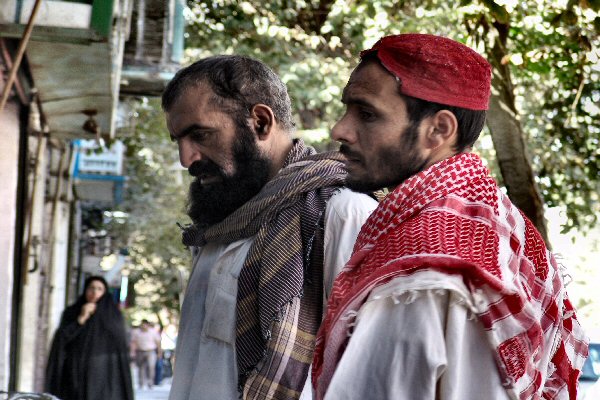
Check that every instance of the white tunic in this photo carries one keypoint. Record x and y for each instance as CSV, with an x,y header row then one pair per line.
x,y
205,365
416,339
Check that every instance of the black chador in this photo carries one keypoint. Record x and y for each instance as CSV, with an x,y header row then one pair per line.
x,y
90,361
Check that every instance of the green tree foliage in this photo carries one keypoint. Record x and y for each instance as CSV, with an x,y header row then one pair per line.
x,y
548,48
154,202
552,51
545,56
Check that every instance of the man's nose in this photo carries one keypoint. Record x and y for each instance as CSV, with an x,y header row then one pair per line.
x,y
341,131
188,153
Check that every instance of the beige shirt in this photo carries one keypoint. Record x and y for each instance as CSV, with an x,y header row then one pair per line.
x,y
145,341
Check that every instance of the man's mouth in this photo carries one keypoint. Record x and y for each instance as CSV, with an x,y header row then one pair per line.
x,y
350,160
207,180
349,155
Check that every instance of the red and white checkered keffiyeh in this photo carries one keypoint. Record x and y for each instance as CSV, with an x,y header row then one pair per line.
x,y
453,218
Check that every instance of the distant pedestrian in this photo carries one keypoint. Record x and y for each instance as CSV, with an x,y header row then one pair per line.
x,y
89,358
145,343
158,365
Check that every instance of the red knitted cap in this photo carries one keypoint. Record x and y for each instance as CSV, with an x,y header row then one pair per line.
x,y
436,69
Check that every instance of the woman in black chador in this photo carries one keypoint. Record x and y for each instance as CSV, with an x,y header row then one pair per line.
x,y
89,359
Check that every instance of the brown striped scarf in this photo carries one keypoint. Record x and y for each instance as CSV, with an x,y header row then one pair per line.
x,y
279,303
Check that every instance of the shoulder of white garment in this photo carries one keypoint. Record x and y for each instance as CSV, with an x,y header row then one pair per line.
x,y
346,203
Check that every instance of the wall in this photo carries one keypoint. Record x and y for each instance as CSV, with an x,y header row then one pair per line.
x,y
59,272
9,163
30,305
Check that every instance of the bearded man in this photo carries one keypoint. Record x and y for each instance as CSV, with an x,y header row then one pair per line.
x,y
451,292
272,225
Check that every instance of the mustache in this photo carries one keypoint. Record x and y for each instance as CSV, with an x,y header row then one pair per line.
x,y
204,167
345,150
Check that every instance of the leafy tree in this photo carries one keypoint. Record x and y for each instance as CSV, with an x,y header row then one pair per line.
x,y
154,202
543,123
545,82
544,54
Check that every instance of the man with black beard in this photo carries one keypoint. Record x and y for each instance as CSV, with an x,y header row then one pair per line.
x,y
209,204
272,226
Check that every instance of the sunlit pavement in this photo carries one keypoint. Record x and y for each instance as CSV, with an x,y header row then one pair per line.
x,y
160,392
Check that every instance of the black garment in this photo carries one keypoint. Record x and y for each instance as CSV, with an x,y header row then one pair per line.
x,y
90,361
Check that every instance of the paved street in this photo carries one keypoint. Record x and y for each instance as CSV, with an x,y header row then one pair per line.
x,y
156,393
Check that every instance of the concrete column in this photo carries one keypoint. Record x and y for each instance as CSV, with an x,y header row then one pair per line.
x,y
9,173
31,307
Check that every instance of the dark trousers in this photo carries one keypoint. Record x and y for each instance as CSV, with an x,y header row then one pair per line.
x,y
146,362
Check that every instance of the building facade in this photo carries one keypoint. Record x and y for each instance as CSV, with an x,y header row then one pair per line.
x,y
64,67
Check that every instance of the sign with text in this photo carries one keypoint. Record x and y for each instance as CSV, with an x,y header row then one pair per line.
x,y
108,160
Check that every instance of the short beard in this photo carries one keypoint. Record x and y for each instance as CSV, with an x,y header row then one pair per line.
x,y
394,164
212,203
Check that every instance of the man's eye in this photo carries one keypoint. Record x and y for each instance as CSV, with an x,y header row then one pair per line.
x,y
198,136
365,115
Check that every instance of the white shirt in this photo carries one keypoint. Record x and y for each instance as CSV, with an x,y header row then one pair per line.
x,y
416,338
205,366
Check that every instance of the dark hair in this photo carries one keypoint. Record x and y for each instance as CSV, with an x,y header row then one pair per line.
x,y
100,279
238,83
470,122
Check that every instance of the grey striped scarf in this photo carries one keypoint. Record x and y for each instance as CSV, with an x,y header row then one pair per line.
x,y
280,285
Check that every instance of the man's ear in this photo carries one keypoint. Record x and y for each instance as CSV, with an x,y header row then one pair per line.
x,y
442,132
262,120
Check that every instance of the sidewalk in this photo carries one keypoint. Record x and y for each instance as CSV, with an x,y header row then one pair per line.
x,y
156,393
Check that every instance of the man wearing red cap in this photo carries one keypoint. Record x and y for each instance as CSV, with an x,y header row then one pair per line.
x,y
450,292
